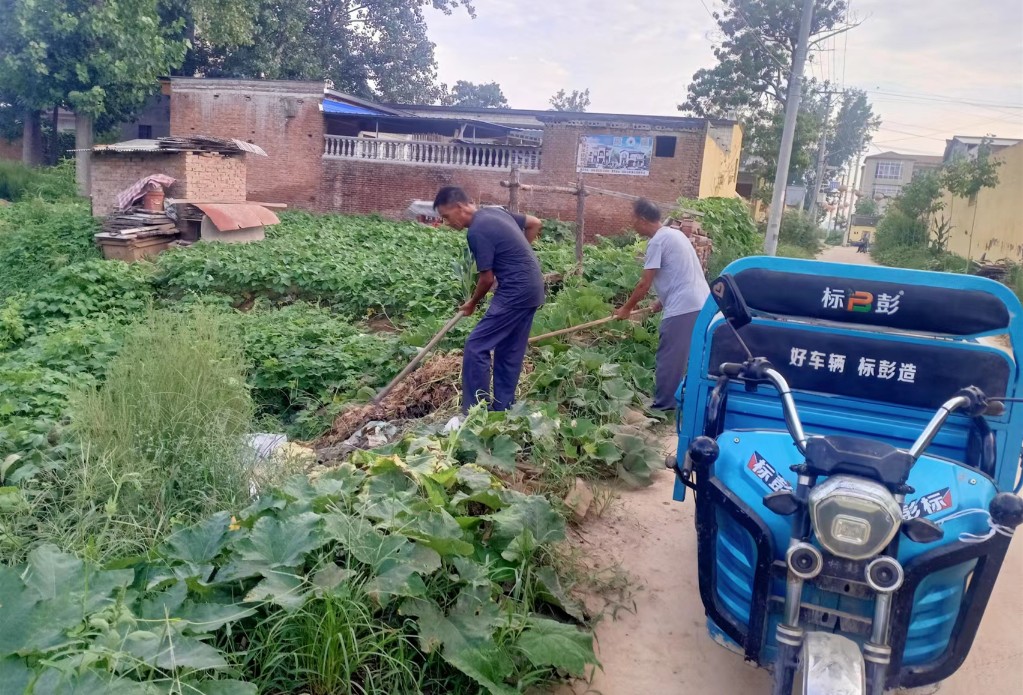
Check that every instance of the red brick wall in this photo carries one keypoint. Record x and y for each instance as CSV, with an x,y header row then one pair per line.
x,y
284,119
360,187
208,176
281,117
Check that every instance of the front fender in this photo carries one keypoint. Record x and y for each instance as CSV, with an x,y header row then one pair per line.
x,y
832,665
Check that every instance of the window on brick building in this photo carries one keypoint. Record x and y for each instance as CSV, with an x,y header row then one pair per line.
x,y
664,145
145,132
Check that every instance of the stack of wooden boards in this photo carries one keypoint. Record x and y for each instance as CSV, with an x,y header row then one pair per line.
x,y
139,224
129,236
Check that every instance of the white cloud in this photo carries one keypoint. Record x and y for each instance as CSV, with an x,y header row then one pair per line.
x,y
947,57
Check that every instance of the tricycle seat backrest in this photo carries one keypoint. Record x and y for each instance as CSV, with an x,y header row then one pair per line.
x,y
869,351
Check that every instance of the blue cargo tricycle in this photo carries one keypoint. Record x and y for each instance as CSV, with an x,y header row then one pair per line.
x,y
852,441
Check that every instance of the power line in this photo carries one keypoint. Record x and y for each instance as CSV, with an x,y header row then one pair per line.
x,y
951,100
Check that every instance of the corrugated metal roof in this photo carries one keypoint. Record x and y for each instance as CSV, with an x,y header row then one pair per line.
x,y
331,106
228,217
192,143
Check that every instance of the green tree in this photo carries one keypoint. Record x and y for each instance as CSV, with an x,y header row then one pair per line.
x,y
100,59
755,54
854,128
866,206
907,219
750,83
576,101
371,48
484,96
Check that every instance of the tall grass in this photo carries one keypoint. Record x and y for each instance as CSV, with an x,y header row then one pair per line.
x,y
159,442
332,644
18,181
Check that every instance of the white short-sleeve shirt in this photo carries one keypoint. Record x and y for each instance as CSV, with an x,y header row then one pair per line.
x,y
679,282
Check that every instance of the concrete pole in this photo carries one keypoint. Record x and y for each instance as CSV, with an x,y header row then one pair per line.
x,y
83,157
855,186
795,91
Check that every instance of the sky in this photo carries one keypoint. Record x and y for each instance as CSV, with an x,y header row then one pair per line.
x,y
932,68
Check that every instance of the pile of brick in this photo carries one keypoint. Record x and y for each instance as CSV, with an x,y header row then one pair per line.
x,y
695,233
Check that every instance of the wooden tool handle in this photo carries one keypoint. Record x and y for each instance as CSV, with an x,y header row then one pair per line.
x,y
418,358
581,326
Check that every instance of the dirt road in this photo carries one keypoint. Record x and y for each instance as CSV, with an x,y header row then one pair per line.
x,y
845,254
664,649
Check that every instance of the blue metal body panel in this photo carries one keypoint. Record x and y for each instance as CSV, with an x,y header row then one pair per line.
x,y
754,434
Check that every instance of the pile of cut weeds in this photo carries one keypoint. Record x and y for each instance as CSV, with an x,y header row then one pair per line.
x,y
432,387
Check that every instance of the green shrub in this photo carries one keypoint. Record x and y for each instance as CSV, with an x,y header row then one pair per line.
x,y
38,238
557,230
728,224
797,229
18,181
304,353
919,258
896,230
835,238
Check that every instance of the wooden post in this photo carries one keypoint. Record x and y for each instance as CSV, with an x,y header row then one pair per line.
x,y
513,190
580,223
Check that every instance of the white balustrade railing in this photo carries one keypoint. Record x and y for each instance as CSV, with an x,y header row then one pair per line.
x,y
432,153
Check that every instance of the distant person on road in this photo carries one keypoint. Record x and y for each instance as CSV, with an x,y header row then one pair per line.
x,y
864,243
500,244
673,269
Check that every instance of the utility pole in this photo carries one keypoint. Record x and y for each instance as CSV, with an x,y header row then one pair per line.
x,y
781,177
822,158
853,188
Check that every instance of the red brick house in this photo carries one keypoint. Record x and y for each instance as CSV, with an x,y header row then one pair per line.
x,y
329,151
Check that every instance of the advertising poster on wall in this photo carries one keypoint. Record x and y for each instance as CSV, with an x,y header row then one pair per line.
x,y
615,154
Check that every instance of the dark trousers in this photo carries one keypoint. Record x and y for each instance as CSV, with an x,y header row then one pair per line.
x,y
500,339
676,335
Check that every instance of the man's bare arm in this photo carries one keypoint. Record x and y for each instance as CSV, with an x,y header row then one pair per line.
x,y
642,288
483,284
533,227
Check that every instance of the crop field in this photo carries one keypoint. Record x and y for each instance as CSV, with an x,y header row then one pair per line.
x,y
144,549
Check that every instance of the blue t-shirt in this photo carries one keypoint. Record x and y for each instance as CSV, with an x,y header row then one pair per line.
x,y
497,243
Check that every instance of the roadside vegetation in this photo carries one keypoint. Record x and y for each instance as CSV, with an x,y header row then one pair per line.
x,y
914,233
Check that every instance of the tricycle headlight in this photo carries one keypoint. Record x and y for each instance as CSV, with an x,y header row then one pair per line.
x,y
854,518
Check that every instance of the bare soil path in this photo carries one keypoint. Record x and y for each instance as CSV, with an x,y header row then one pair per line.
x,y
845,254
664,649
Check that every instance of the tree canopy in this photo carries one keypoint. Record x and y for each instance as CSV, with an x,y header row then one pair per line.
x,y
369,48
100,59
576,101
755,51
488,95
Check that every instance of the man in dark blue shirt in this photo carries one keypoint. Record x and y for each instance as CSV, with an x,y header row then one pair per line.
x,y
500,243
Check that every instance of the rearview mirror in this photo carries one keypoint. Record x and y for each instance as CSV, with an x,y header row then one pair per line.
x,y
730,301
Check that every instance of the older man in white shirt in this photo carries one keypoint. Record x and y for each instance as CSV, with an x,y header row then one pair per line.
x,y
673,269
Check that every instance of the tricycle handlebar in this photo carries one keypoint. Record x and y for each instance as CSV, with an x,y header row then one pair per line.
x,y
971,399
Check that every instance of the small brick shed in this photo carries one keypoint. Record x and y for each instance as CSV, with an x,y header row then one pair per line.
x,y
200,173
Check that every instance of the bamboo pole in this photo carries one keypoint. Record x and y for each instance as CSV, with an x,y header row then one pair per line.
x,y
418,358
583,326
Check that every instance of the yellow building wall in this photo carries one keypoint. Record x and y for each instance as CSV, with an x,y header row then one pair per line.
x,y
856,233
996,232
720,165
